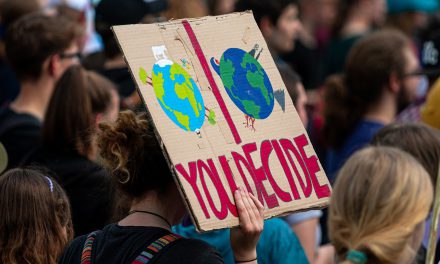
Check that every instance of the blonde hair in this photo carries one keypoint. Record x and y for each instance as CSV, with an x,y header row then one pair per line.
x,y
381,195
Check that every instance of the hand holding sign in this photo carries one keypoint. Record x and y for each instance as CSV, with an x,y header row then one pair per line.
x,y
244,238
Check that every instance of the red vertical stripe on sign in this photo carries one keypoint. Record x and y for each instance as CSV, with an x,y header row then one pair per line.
x,y
208,74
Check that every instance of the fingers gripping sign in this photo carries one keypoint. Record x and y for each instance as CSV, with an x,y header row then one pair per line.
x,y
244,238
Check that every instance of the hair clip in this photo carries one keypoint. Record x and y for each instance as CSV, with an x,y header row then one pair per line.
x,y
356,257
50,183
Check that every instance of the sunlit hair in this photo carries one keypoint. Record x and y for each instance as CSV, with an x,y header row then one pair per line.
x,y
380,197
35,221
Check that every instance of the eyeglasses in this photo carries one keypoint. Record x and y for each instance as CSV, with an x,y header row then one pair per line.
x,y
75,55
417,72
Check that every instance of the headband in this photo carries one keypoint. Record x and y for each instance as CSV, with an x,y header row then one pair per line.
x,y
50,183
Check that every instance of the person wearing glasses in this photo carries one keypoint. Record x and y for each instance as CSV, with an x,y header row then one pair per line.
x,y
39,49
378,83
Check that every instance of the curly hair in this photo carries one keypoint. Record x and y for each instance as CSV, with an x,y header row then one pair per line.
x,y
381,197
36,223
131,151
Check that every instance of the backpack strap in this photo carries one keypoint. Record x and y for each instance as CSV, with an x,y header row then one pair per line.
x,y
86,256
154,248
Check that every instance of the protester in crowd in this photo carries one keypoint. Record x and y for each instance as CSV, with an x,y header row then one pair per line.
x,y
307,59
35,223
141,172
355,19
296,91
221,7
380,201
423,143
80,101
110,63
378,83
410,16
10,11
186,9
39,48
278,22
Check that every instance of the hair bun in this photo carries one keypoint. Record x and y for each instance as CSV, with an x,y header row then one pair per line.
x,y
121,140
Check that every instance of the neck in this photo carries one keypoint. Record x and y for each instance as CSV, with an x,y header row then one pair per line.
x,y
384,112
357,23
34,97
151,203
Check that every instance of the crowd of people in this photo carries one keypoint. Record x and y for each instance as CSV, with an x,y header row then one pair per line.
x,y
84,179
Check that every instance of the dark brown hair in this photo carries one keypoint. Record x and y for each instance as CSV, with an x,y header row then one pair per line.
x,y
35,214
34,38
419,140
69,122
344,8
10,11
368,68
131,151
291,80
265,8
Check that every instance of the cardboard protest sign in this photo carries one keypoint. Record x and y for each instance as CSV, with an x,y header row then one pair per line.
x,y
224,116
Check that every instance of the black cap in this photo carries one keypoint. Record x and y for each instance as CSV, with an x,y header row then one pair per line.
x,y
124,12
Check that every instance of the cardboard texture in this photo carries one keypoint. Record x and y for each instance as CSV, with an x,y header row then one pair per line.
x,y
217,102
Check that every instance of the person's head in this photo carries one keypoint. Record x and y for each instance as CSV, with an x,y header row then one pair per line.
x,y
10,11
381,198
278,21
131,151
39,46
80,101
79,18
410,16
419,140
296,91
379,66
36,224
372,10
108,14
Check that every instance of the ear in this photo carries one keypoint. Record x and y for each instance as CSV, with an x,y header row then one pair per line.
x,y
53,65
266,26
98,119
394,83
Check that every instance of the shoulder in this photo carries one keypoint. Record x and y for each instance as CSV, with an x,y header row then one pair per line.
x,y
191,251
275,227
10,118
72,253
299,217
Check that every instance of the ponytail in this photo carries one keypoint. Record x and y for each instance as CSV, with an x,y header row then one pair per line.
x,y
70,118
339,116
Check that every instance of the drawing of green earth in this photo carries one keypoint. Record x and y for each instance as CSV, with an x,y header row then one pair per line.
x,y
178,95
